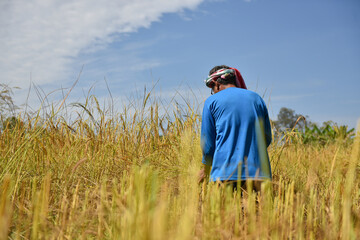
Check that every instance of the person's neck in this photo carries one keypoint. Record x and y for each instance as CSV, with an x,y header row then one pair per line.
x,y
222,87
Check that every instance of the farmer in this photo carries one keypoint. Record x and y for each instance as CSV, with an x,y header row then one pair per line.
x,y
235,131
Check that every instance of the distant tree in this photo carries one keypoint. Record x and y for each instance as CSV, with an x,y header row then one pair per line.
x,y
7,105
6,101
287,119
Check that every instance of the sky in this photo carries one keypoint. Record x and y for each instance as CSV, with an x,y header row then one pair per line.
x,y
303,55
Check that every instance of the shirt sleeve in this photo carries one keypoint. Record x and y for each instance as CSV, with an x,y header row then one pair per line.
x,y
267,125
208,135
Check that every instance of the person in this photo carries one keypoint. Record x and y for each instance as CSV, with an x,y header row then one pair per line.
x,y
235,131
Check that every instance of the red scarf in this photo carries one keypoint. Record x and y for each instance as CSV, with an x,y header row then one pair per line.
x,y
240,83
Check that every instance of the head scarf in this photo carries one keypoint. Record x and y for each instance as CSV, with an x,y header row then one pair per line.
x,y
240,83
223,73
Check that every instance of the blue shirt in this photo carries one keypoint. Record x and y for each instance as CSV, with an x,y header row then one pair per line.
x,y
235,134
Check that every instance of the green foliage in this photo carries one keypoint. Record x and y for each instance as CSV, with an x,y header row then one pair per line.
x,y
295,128
328,133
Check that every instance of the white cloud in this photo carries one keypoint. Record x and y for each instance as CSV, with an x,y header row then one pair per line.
x,y
44,37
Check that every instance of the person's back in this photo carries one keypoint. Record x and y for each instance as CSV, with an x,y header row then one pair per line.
x,y
235,134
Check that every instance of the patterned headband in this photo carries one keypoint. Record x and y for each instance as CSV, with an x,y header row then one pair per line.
x,y
221,73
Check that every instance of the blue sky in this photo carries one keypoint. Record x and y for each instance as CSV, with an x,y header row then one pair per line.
x,y
304,55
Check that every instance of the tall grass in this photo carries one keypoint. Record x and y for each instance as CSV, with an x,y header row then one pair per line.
x,y
133,175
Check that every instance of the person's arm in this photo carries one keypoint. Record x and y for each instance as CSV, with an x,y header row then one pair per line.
x,y
204,173
267,125
268,134
208,135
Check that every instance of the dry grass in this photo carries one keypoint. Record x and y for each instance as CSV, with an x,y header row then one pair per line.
x,y
134,176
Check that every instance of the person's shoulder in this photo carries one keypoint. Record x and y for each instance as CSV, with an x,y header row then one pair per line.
x,y
249,93
209,100
255,96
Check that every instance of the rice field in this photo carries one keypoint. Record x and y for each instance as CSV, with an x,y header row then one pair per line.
x,y
133,175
